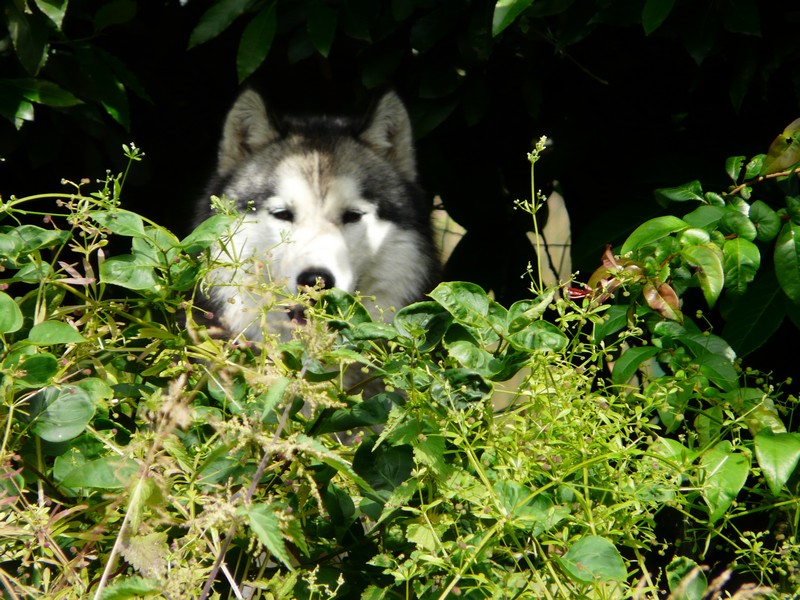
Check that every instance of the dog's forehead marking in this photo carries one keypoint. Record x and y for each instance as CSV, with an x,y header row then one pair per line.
x,y
311,179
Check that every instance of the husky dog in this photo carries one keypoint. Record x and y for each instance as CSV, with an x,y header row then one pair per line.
x,y
328,202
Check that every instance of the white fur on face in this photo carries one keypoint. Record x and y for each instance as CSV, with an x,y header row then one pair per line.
x,y
303,226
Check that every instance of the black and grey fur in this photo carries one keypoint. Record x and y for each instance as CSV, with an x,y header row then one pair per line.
x,y
329,201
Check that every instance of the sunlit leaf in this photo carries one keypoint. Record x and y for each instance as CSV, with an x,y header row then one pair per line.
x,y
61,413
506,12
787,261
725,474
10,314
593,559
777,455
692,191
50,333
651,231
686,579
784,152
741,262
708,260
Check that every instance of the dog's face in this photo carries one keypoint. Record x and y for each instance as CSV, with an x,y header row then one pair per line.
x,y
326,206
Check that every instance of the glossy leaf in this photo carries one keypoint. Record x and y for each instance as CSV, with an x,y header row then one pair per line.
x,y
766,220
777,455
655,13
42,91
708,261
36,238
206,234
256,41
691,191
593,559
10,314
741,262
784,152
53,10
626,365
120,222
719,370
506,12
29,40
61,413
754,166
739,225
651,231
472,307
725,474
130,272
539,335
787,261
663,300
705,217
733,167
217,19
756,315
37,369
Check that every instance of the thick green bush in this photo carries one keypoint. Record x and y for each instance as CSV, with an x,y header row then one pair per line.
x,y
143,456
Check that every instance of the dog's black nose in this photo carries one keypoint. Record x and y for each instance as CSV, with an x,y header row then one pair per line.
x,y
316,278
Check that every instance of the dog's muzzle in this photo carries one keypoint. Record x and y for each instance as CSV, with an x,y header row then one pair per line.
x,y
315,279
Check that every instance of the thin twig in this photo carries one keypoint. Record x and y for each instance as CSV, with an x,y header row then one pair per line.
x,y
761,178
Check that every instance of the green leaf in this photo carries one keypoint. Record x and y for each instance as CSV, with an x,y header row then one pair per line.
x,y
539,336
777,455
42,92
741,260
460,388
738,224
655,13
36,238
524,312
120,222
39,369
705,216
130,272
424,322
470,306
784,152
322,26
593,559
733,167
793,208
725,474
719,370
691,191
652,231
61,413
11,318
384,468
53,10
787,261
626,365
506,12
108,473
708,260
217,19
265,524
685,579
28,35
256,42
128,588
528,510
754,167
50,333
766,220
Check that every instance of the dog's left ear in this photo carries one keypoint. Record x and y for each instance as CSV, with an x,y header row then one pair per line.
x,y
388,132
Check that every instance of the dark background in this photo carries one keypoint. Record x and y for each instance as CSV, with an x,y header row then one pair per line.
x,y
628,111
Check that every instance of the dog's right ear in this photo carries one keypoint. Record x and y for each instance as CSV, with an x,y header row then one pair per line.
x,y
248,128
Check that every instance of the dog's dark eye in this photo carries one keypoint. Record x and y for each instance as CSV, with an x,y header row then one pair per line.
x,y
283,214
352,216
